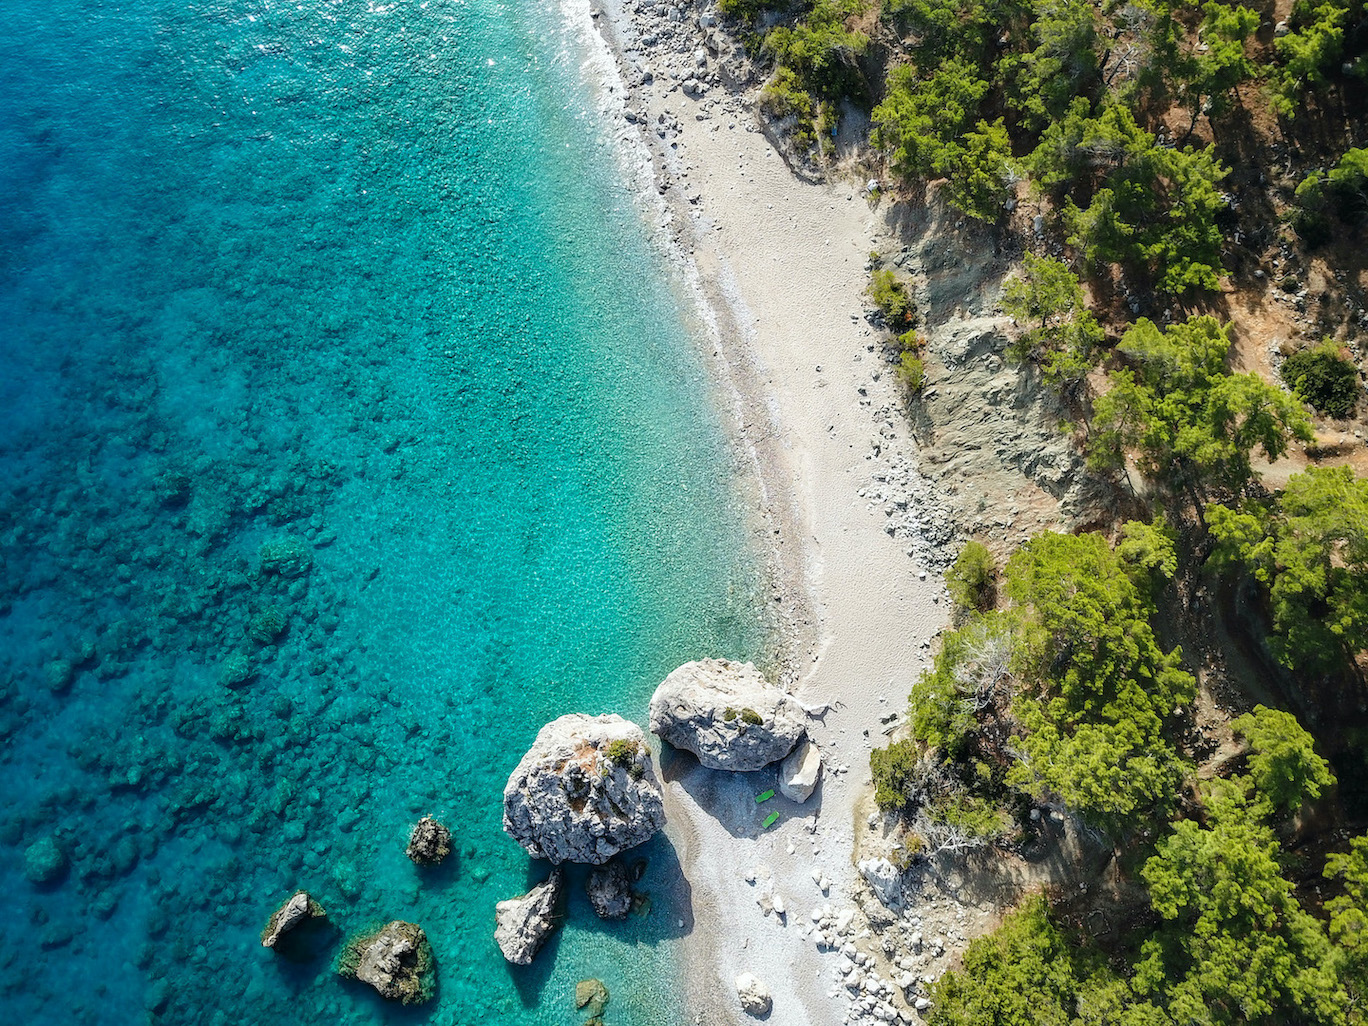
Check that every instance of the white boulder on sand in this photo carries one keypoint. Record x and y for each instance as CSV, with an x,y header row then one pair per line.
x,y
727,714
584,791
754,995
883,879
799,771
523,924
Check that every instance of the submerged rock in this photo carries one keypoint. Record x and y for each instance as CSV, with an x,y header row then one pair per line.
x,y
754,995
297,909
429,843
594,995
396,961
800,771
727,714
44,861
584,791
523,924
610,891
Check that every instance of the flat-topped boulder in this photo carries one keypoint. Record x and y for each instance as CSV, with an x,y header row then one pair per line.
x,y
521,925
584,791
727,714
396,960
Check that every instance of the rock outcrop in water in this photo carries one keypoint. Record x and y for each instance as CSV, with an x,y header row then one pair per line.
x,y
396,961
727,714
523,924
429,843
592,996
610,891
584,791
44,862
298,908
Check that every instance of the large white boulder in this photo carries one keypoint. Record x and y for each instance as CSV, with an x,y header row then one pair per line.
x,y
755,996
727,714
883,879
584,791
800,771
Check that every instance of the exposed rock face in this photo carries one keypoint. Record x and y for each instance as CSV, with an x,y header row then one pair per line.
x,y
396,961
523,924
429,843
883,878
727,714
754,995
297,909
610,891
800,771
584,791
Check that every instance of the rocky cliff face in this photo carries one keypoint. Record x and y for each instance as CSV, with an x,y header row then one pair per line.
x,y
727,714
584,791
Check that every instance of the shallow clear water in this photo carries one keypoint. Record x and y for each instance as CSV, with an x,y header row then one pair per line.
x,y
348,432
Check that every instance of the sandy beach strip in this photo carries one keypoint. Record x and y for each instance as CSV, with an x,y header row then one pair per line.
x,y
778,266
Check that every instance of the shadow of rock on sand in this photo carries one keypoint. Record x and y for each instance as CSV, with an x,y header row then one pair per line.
x,y
730,797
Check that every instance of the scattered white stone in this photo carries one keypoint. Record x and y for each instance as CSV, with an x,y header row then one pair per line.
x,y
922,1004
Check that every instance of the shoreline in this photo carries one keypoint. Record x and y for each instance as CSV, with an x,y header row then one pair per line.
x,y
776,267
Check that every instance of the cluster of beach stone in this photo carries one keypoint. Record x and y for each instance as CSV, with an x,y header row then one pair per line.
x,y
681,45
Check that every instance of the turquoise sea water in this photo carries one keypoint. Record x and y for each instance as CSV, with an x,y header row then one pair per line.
x,y
348,432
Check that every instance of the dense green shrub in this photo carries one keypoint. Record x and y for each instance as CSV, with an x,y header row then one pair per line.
x,y
1096,728
821,51
1322,377
889,293
1236,945
895,773
911,371
622,751
972,578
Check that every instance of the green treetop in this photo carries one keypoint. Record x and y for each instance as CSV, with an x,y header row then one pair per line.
x,y
1310,548
1187,418
1237,946
1096,720
1061,333
1282,762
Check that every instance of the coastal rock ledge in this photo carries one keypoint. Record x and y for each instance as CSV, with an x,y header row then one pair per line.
x,y
584,791
727,714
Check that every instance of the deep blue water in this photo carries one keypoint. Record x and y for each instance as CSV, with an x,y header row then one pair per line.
x,y
349,430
